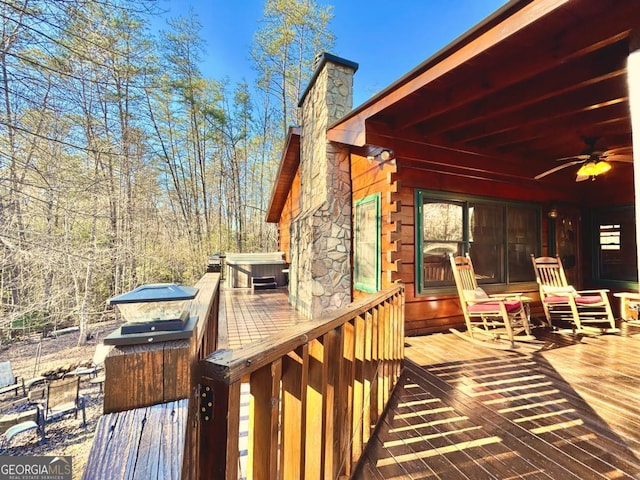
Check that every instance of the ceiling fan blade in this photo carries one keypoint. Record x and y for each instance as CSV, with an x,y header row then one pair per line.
x,y
555,169
619,151
619,157
576,157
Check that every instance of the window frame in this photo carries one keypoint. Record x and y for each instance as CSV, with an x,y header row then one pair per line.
x,y
465,199
372,285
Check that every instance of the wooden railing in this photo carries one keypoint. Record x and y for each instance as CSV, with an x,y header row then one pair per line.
x,y
150,428
317,391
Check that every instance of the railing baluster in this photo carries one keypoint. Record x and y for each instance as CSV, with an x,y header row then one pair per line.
x,y
263,421
332,350
315,411
347,381
291,453
368,377
379,322
386,355
358,388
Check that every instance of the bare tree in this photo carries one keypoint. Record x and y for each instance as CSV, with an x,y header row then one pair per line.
x,y
293,33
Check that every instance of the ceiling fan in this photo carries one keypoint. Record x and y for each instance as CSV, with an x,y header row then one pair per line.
x,y
593,162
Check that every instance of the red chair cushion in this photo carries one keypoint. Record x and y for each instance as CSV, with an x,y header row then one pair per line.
x,y
588,299
510,305
583,300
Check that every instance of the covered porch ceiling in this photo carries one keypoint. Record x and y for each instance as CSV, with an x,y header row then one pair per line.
x,y
535,82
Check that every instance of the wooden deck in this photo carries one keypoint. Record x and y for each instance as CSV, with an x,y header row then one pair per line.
x,y
460,411
251,316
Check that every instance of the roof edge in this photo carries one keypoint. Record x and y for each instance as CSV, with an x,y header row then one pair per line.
x,y
275,209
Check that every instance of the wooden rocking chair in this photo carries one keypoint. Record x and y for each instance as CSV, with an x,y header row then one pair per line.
x,y
493,316
563,303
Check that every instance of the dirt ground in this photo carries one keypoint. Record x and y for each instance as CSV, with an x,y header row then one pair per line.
x,y
64,436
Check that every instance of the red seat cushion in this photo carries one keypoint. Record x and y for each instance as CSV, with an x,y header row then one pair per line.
x,y
588,299
583,300
510,305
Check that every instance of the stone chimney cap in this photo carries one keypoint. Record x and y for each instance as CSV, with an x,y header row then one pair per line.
x,y
319,62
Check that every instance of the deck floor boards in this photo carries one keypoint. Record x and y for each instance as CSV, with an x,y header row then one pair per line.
x,y
251,316
462,411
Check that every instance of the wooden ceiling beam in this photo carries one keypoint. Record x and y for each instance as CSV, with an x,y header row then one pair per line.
x,y
548,53
594,96
449,157
591,123
554,83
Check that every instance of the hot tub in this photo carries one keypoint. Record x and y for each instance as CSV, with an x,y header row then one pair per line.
x,y
240,268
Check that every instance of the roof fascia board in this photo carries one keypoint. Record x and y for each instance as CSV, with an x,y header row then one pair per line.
x,y
286,160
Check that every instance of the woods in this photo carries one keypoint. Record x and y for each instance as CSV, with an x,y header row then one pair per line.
x,y
121,164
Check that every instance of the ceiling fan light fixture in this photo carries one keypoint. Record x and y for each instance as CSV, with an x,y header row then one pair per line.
x,y
587,170
602,167
593,169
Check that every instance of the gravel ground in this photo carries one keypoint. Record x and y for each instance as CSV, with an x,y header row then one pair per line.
x,y
64,436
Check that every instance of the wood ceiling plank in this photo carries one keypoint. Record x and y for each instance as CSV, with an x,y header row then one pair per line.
x,y
594,96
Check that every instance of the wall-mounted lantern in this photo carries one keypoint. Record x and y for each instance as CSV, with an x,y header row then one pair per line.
x,y
153,313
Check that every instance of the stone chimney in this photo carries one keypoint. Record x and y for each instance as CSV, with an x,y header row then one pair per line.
x,y
320,271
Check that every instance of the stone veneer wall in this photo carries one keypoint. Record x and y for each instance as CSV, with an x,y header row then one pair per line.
x,y
320,272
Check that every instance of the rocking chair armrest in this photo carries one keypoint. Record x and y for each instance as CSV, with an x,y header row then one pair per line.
x,y
506,296
485,300
601,290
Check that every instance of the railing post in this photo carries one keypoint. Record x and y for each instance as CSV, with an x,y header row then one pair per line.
x,y
220,431
162,373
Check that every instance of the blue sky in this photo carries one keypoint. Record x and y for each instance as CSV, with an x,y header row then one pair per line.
x,y
387,39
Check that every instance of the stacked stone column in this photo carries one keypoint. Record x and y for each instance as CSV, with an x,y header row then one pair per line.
x,y
320,277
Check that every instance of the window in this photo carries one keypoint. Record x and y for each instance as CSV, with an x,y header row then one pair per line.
x,y
499,236
366,262
615,239
610,237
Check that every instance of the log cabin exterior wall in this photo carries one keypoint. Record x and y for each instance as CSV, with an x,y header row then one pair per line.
x,y
289,212
440,310
369,177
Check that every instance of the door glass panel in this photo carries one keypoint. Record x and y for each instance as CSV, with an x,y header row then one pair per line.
x,y
523,238
486,236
